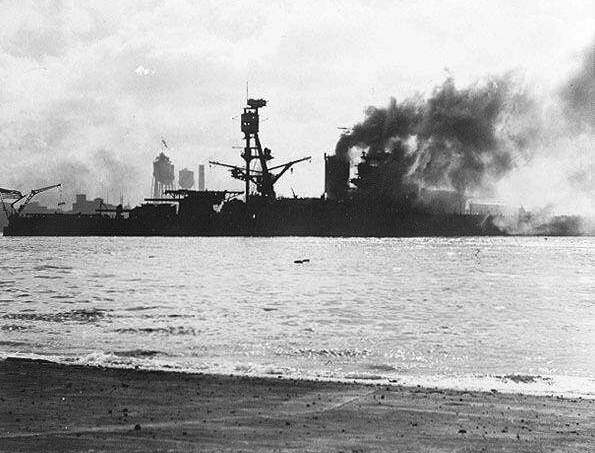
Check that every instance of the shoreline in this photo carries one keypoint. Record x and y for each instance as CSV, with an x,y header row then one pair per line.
x,y
512,384
47,406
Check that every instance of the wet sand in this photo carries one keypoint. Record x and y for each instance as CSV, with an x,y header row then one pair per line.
x,y
51,407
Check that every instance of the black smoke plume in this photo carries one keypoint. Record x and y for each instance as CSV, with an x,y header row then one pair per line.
x,y
454,139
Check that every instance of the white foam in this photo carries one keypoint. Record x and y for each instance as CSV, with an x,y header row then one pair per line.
x,y
555,385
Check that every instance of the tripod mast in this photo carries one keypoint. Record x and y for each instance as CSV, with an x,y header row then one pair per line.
x,y
263,178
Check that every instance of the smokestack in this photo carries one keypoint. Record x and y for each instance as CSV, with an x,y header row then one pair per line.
x,y
336,177
201,177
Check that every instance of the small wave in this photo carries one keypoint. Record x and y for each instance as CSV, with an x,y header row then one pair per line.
x,y
13,343
363,376
350,353
381,367
180,330
276,371
143,307
512,383
136,358
102,275
81,315
137,353
44,267
14,327
48,277
523,378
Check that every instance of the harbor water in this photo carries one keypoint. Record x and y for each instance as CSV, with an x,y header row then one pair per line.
x,y
510,314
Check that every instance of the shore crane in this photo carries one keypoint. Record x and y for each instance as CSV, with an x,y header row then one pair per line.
x,y
30,196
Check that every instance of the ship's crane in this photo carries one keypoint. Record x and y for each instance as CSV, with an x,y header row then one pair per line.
x,y
264,179
257,176
30,196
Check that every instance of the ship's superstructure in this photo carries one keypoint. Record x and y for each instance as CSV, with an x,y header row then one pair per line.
x,y
265,177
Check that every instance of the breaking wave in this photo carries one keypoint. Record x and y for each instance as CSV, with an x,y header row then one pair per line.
x,y
565,386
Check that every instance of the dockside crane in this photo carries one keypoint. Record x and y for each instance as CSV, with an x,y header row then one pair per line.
x,y
265,178
30,196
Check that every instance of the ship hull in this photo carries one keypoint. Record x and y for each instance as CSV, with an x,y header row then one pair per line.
x,y
284,218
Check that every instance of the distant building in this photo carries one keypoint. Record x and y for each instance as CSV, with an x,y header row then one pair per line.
x,y
201,177
84,206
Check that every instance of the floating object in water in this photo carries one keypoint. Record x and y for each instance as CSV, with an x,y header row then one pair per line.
x,y
306,260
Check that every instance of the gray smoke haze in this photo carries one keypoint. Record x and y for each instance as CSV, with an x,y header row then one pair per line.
x,y
579,94
73,143
555,179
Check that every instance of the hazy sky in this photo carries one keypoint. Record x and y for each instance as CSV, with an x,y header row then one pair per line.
x,y
87,89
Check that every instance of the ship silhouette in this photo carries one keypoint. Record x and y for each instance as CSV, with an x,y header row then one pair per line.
x,y
348,207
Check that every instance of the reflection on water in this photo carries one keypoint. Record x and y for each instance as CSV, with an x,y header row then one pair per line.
x,y
471,312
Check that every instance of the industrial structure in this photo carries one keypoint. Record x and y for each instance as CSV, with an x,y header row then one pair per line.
x,y
201,177
163,175
186,179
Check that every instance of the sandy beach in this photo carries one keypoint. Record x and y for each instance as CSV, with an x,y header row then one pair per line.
x,y
52,407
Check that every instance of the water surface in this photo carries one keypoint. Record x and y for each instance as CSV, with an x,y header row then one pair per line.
x,y
513,314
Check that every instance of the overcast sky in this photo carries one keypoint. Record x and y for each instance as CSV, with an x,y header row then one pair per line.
x,y
87,89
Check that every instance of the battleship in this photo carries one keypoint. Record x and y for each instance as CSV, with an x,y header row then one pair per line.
x,y
349,206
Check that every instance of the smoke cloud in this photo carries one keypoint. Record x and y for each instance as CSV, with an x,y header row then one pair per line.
x,y
493,139
457,138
